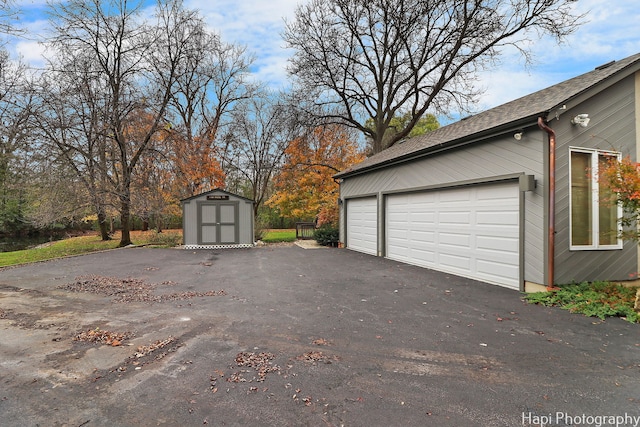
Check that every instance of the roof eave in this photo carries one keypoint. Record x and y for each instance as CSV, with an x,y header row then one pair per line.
x,y
448,145
218,190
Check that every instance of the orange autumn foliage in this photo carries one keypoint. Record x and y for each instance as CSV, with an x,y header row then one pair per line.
x,y
621,179
304,187
174,166
151,181
195,163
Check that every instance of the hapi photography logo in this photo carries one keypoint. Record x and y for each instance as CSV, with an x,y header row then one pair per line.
x,y
530,419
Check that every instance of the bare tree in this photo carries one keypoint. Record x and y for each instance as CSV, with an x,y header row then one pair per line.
x,y
8,16
211,82
254,148
56,194
16,106
379,59
71,123
139,63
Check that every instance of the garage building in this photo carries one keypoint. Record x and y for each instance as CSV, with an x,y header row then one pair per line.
x,y
506,196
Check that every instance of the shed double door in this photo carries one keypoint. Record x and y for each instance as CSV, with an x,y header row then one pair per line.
x,y
218,223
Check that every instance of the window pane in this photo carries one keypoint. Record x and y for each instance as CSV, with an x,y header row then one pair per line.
x,y
607,210
581,207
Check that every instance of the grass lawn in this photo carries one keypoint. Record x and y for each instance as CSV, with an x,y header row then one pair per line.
x,y
274,236
85,244
92,243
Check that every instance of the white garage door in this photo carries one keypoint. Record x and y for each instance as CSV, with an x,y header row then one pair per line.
x,y
469,231
362,225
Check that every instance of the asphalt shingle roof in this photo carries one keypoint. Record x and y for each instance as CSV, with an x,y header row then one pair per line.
x,y
529,106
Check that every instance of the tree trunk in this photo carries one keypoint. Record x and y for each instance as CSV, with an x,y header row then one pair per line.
x,y
125,219
104,229
158,223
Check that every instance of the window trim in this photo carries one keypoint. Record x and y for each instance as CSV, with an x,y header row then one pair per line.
x,y
595,223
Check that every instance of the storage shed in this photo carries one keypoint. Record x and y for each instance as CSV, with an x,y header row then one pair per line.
x,y
217,219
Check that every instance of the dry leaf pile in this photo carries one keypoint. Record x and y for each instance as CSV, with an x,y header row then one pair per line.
x,y
130,290
260,362
103,337
187,295
316,356
144,350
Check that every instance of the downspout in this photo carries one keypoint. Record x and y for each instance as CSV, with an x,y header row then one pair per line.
x,y
552,201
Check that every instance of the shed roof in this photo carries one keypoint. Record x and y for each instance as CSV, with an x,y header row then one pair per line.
x,y
522,110
216,190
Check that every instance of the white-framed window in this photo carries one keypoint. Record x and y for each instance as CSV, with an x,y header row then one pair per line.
x,y
594,218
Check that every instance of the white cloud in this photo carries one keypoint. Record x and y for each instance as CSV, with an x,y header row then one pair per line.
x,y
502,85
609,33
258,25
31,52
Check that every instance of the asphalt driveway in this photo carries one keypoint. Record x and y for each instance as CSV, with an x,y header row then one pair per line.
x,y
286,336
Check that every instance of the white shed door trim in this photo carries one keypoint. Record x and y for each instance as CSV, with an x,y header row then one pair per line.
x,y
362,225
470,231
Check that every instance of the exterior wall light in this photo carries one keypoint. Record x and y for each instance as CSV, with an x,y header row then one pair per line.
x,y
581,119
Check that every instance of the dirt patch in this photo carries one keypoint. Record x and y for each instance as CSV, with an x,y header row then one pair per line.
x,y
26,320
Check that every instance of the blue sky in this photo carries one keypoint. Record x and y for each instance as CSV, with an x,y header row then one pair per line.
x,y
610,33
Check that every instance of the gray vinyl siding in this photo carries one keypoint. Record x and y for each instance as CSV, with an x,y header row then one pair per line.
x,y
478,162
190,223
246,222
612,127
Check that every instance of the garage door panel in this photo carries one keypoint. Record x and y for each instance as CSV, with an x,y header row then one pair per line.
x,y
501,245
454,217
424,235
490,270
496,257
427,253
451,197
455,263
471,231
455,240
362,225
421,218
493,218
425,249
